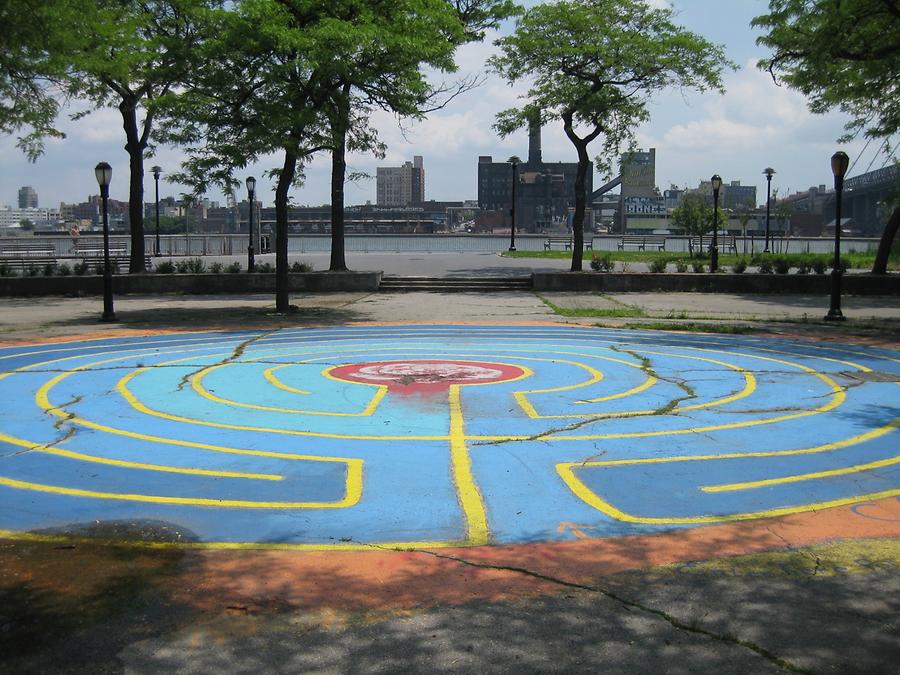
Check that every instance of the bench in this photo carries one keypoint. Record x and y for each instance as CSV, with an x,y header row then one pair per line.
x,y
119,263
25,264
93,251
727,243
566,243
641,242
28,250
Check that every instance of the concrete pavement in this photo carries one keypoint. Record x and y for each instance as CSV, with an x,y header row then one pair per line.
x,y
806,592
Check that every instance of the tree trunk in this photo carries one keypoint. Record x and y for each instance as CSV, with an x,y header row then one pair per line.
x,y
887,240
578,220
135,149
339,124
285,180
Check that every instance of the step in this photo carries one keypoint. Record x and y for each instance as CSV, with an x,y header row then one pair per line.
x,y
455,284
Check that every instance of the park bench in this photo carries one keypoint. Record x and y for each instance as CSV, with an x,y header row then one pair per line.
x,y
97,251
641,242
566,243
28,263
727,243
27,250
119,263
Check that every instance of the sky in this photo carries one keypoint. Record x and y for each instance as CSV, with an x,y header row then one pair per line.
x,y
755,124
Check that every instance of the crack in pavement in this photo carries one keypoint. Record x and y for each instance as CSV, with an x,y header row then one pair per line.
x,y
236,353
627,603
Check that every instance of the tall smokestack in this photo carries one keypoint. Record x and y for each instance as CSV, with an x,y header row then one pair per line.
x,y
534,138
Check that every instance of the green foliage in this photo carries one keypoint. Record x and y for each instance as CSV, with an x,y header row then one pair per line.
x,y
681,266
658,265
80,268
593,66
697,266
264,268
841,54
233,268
6,270
781,264
49,269
300,267
63,270
694,216
196,266
739,267
765,266
602,263
216,268
165,267
819,266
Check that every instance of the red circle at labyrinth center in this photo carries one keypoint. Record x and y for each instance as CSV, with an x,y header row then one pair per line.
x,y
433,375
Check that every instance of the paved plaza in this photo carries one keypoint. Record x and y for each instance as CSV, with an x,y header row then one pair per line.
x,y
383,483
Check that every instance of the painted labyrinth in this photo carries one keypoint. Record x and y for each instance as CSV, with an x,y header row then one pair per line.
x,y
430,435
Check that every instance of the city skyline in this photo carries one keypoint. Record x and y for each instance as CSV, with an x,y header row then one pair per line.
x,y
754,125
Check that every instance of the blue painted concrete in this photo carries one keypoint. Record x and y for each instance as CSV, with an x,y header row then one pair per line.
x,y
412,489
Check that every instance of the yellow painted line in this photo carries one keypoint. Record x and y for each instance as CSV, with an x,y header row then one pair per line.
x,y
838,398
470,498
644,386
749,388
82,457
44,402
589,497
197,386
134,402
352,494
566,471
836,445
269,374
749,485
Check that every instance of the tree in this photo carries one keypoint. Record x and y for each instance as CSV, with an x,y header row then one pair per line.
x,y
694,215
842,54
130,55
593,64
36,36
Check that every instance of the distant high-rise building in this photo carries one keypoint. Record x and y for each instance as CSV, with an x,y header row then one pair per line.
x,y
28,198
401,185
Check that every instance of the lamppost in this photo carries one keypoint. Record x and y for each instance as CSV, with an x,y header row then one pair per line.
x,y
714,249
769,172
103,172
156,171
839,163
512,211
251,189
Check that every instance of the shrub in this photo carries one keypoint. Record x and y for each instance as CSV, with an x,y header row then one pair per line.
x,y
301,267
697,266
6,270
183,266
80,268
765,266
233,268
602,263
843,264
803,266
32,271
681,266
195,266
265,268
658,265
165,267
740,266
781,265
49,269
64,270
818,266
216,268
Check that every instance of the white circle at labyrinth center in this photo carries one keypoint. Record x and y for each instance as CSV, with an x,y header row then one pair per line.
x,y
426,372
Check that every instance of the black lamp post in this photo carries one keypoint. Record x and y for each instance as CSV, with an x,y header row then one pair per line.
x,y
769,172
156,171
251,190
512,211
839,163
714,249
103,171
